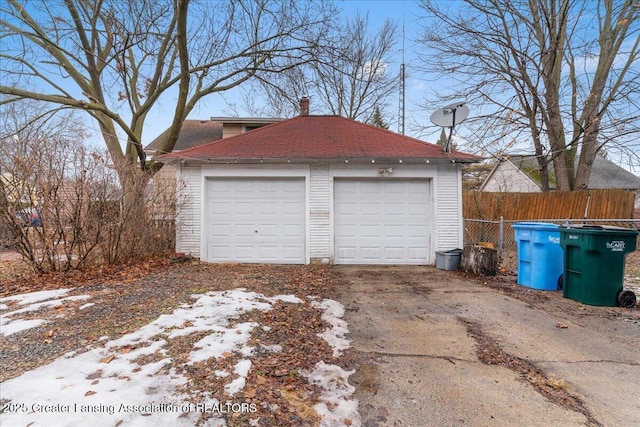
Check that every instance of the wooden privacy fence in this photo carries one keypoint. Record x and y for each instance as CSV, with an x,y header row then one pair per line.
x,y
591,204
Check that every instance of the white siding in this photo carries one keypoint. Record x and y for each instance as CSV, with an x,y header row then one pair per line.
x,y
449,208
508,178
319,215
189,210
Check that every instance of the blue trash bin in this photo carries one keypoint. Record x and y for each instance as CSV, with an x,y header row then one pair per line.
x,y
540,256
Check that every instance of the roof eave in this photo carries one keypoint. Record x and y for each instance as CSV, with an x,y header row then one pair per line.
x,y
348,160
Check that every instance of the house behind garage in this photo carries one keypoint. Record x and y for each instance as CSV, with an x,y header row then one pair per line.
x,y
319,189
520,173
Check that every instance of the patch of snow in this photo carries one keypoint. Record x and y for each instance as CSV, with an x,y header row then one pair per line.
x,y
33,301
333,312
87,305
336,408
86,390
110,385
18,325
223,340
33,297
242,370
292,299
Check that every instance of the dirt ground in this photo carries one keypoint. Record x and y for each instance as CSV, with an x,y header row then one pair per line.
x,y
129,297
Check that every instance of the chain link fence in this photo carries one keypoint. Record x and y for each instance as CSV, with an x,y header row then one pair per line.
x,y
501,235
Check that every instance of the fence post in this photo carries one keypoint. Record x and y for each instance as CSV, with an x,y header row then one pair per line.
x,y
464,231
501,238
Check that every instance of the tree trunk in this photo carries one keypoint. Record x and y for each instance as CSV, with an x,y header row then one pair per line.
x,y
480,260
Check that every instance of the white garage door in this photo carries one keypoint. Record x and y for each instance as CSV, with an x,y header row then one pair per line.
x,y
381,222
255,220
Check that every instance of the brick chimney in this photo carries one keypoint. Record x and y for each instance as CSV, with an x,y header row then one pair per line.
x,y
304,106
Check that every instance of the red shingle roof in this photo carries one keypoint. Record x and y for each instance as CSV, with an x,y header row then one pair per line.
x,y
318,137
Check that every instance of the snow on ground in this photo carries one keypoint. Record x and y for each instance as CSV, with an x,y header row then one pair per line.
x,y
334,335
336,407
34,301
30,298
112,385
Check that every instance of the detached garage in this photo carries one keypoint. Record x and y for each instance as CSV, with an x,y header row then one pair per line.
x,y
319,189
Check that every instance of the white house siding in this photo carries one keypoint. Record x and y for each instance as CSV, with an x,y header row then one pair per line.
x,y
508,178
449,208
189,209
320,214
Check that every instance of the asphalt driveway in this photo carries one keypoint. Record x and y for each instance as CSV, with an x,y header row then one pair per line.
x,y
438,349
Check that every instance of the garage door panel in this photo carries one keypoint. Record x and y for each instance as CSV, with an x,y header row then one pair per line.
x,y
268,230
346,209
347,230
397,253
418,253
291,230
255,220
370,230
267,252
239,230
370,252
370,187
381,221
395,231
394,208
416,209
291,209
267,208
346,253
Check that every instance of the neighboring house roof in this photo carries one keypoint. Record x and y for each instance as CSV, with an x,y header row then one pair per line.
x,y
192,133
319,137
604,173
250,121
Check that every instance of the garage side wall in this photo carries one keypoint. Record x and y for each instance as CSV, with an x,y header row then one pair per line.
x,y
320,214
449,208
188,210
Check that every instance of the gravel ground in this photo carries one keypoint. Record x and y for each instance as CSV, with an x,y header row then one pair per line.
x,y
124,303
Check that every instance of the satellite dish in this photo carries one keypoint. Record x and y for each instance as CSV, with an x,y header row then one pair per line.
x,y
450,116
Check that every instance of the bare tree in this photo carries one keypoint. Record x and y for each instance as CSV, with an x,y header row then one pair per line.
x,y
118,60
348,77
62,203
556,72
